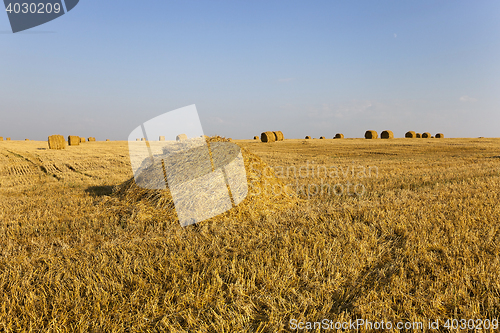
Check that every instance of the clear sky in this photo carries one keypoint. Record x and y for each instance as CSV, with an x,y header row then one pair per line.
x,y
303,67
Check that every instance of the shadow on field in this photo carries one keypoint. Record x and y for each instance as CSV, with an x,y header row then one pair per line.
x,y
99,191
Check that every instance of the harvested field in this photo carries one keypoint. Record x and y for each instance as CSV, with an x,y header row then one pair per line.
x,y
83,250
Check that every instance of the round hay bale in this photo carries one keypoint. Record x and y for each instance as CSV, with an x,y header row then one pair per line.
x,y
371,135
26,139
439,135
82,140
432,137
267,137
339,136
411,135
278,135
1,138
387,135
73,140
8,139
57,142
256,137
307,137
181,137
418,135
91,139
426,135
321,137
161,138
108,140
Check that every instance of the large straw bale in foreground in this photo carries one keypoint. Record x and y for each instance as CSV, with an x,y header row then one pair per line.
x,y
371,135
387,135
339,136
410,135
73,140
265,191
267,137
426,135
439,136
57,142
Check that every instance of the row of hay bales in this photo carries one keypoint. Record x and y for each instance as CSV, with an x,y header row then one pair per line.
x,y
58,141
6,139
425,135
271,136
337,136
410,134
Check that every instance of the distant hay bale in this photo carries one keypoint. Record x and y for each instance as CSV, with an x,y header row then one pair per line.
x,y
137,139
82,140
387,135
426,135
307,137
1,138
418,135
256,137
411,135
267,137
73,140
371,135
278,135
161,138
181,137
439,135
108,140
26,139
91,139
56,142
8,139
321,137
339,136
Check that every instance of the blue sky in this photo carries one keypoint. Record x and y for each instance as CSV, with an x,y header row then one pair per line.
x,y
303,67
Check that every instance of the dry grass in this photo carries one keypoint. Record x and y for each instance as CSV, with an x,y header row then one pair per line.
x,y
423,242
371,135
